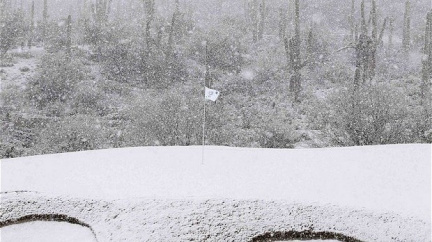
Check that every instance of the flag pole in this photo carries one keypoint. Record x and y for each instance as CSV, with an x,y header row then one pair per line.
x,y
203,136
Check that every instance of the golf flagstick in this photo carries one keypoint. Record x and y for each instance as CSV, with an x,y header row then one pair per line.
x,y
211,95
203,137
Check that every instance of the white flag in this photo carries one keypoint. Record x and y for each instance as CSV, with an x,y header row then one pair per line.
x,y
211,94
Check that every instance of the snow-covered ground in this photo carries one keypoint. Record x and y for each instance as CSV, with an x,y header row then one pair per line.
x,y
46,232
16,76
376,193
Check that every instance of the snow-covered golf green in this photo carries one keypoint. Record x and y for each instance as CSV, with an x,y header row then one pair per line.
x,y
368,193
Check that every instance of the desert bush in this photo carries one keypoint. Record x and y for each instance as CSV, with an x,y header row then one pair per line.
x,y
278,134
167,119
7,61
22,54
421,123
18,132
56,80
256,123
24,69
128,62
73,133
428,136
373,114
219,51
89,98
171,118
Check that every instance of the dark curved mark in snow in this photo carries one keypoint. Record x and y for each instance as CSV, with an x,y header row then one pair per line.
x,y
47,218
303,235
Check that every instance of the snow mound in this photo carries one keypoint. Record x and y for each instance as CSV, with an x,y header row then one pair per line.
x,y
214,220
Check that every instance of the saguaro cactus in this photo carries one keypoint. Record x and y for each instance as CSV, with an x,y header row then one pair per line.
x,y
101,10
366,47
352,21
150,10
390,36
282,23
257,12
2,10
261,25
406,41
174,20
427,62
254,19
69,36
292,48
31,29
45,21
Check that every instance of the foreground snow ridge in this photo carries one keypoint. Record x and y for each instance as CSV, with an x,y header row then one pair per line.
x,y
377,193
213,220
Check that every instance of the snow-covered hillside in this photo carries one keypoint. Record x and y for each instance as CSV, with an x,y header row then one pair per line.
x,y
370,193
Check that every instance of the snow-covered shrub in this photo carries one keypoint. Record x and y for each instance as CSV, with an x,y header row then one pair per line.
x,y
428,136
8,150
24,69
421,122
88,98
373,114
167,119
276,129
6,61
74,133
336,73
277,135
56,80
219,51
128,62
257,123
18,132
